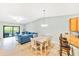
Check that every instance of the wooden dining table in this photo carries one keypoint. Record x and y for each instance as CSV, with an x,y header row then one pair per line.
x,y
42,41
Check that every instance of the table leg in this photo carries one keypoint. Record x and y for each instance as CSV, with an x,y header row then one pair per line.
x,y
41,49
45,50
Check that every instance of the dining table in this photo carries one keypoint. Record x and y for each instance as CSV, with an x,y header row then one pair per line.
x,y
43,43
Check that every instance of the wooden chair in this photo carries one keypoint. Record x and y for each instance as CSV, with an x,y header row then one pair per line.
x,y
64,46
47,47
33,46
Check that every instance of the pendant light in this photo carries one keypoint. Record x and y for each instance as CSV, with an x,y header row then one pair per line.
x,y
44,24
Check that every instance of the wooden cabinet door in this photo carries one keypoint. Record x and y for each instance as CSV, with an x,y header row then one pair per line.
x,y
73,24
78,24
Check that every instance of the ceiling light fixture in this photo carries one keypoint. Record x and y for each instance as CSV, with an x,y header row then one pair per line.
x,y
44,24
17,18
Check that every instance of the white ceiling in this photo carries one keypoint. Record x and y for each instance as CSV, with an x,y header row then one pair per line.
x,y
32,11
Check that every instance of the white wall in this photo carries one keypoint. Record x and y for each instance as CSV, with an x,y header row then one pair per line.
x,y
56,25
9,24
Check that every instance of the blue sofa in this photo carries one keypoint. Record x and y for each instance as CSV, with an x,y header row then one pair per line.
x,y
32,33
25,37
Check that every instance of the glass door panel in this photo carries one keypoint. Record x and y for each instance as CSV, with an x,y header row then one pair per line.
x,y
16,29
9,31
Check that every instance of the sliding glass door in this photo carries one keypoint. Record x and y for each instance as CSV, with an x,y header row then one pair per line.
x,y
9,31
16,29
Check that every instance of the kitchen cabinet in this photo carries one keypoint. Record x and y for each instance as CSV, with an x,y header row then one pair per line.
x,y
74,24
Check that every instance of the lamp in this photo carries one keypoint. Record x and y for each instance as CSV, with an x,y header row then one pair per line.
x,y
44,24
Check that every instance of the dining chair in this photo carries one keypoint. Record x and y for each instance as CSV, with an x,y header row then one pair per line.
x,y
33,46
64,46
